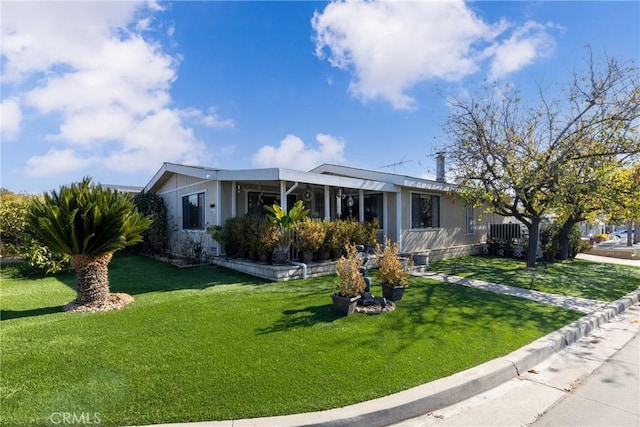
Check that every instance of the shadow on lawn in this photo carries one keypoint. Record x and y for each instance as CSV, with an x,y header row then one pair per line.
x,y
136,274
17,314
467,314
301,318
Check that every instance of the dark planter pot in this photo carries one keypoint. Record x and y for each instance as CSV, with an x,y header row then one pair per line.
x,y
263,257
393,293
280,257
345,306
323,254
548,256
306,256
336,254
252,255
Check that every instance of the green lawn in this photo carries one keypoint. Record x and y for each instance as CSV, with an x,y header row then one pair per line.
x,y
584,279
211,344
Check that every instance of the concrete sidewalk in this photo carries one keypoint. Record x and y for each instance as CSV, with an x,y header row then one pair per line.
x,y
558,360
552,394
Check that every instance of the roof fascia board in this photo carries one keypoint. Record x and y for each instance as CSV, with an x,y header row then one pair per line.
x,y
400,180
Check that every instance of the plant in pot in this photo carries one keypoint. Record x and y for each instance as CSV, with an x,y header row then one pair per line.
x,y
310,235
226,235
268,235
285,221
337,238
371,234
324,251
350,282
391,274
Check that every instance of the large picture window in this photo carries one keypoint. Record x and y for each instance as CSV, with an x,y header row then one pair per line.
x,y
373,207
193,212
425,211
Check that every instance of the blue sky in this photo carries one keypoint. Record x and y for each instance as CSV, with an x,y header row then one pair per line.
x,y
113,89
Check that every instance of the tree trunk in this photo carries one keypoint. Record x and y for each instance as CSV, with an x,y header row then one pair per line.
x,y
92,278
532,248
565,231
629,236
636,234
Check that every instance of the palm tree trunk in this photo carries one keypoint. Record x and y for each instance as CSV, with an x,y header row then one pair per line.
x,y
92,278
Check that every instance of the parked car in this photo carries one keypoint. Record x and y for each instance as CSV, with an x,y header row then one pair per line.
x,y
622,234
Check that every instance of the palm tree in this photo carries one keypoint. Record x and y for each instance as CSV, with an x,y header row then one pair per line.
x,y
88,223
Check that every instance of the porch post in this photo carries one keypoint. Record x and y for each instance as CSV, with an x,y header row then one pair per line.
x,y
399,218
283,195
361,205
385,216
327,203
234,198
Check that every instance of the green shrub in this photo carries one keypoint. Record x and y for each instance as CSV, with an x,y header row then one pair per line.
x,y
41,261
156,238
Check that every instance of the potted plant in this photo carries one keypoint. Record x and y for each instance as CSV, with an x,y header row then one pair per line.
x,y
310,235
371,234
324,251
226,235
285,221
337,238
391,274
350,282
268,235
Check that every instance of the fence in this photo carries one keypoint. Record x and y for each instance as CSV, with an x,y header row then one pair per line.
x,y
507,231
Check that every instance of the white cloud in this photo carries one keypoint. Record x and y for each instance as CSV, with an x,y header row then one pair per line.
x,y
391,46
210,119
292,153
10,118
156,138
90,65
57,162
526,44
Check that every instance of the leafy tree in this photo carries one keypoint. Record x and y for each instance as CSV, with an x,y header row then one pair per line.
x,y
13,219
625,186
88,223
514,157
156,238
16,240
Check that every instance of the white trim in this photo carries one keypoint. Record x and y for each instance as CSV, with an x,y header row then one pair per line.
x,y
183,187
399,219
327,202
361,205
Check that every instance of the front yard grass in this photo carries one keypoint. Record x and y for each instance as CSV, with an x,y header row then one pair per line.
x,y
578,278
211,344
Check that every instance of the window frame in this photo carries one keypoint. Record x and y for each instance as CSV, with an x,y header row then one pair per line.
x,y
469,220
186,213
431,197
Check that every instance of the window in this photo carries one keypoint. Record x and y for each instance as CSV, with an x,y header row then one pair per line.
x,y
425,211
256,201
470,220
373,207
193,212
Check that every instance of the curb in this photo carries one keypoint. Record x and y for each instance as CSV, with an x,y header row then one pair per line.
x,y
446,391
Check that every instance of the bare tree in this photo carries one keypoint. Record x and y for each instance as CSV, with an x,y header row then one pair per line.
x,y
522,160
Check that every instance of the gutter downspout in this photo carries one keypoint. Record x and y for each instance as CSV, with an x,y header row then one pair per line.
x,y
300,264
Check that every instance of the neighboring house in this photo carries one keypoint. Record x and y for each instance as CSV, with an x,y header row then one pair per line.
x,y
421,215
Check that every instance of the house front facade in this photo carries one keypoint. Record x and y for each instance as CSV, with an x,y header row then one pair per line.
x,y
423,216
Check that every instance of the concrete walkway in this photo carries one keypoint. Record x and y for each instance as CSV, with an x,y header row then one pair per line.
x,y
428,404
572,303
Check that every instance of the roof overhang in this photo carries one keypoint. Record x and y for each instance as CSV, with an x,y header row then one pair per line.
x,y
270,174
